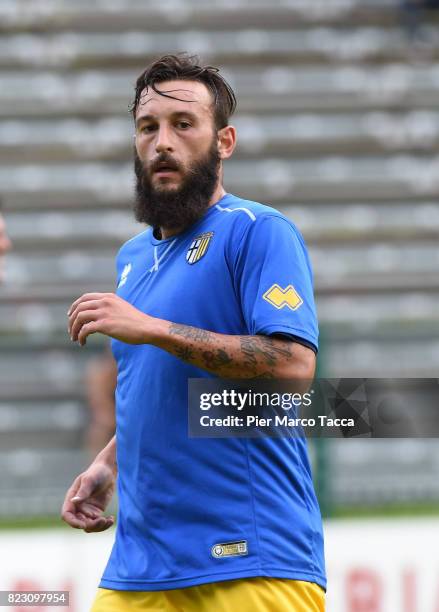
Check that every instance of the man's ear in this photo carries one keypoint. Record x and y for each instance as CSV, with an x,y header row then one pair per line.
x,y
226,141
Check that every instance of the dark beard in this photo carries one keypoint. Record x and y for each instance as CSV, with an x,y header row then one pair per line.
x,y
176,209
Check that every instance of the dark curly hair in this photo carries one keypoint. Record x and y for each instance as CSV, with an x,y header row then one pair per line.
x,y
186,67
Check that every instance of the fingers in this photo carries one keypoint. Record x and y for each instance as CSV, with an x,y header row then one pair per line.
x,y
87,305
87,524
68,506
81,318
70,512
87,297
72,519
86,311
85,486
87,330
88,301
87,499
80,514
100,524
71,515
96,523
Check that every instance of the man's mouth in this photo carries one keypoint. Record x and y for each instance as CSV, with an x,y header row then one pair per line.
x,y
165,168
164,171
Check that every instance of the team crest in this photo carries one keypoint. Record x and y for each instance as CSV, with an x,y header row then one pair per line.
x,y
198,248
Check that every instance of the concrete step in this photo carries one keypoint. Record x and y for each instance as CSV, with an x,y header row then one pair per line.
x,y
349,355
41,417
256,46
43,370
353,261
372,358
321,224
270,89
259,136
384,471
403,311
333,178
83,15
35,481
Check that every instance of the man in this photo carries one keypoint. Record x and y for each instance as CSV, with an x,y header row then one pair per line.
x,y
5,244
198,296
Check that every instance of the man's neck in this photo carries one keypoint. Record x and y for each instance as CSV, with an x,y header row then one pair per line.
x,y
216,196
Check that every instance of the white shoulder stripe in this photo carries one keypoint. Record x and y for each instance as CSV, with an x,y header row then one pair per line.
x,y
246,210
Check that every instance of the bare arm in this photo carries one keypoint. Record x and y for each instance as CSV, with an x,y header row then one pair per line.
x,y
101,375
88,497
108,456
225,355
232,356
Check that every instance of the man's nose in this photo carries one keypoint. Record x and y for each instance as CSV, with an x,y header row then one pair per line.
x,y
164,140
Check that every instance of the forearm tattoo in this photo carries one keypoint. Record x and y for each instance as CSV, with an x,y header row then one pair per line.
x,y
265,350
184,353
231,356
193,333
216,359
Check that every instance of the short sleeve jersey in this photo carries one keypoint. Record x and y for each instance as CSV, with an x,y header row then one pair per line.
x,y
242,269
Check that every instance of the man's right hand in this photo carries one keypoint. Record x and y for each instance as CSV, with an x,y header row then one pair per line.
x,y
88,497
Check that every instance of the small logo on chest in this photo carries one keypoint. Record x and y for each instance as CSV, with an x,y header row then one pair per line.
x,y
199,247
124,275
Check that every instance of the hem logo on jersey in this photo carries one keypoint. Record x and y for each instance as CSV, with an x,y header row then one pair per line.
x,y
279,298
230,549
199,247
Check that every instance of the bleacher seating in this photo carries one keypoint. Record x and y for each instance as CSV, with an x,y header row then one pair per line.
x,y
338,127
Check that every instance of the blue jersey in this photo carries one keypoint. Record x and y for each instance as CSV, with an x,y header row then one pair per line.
x,y
199,510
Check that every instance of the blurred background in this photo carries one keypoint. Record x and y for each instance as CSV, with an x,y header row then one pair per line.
x,y
338,127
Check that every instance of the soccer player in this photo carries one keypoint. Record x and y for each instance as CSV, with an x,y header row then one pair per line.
x,y
5,244
217,286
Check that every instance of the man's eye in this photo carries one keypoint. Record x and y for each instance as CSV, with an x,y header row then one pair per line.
x,y
147,128
184,125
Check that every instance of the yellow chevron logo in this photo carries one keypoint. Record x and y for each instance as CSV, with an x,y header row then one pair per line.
x,y
279,298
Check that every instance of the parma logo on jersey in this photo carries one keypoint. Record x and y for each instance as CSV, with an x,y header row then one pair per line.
x,y
279,298
199,247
